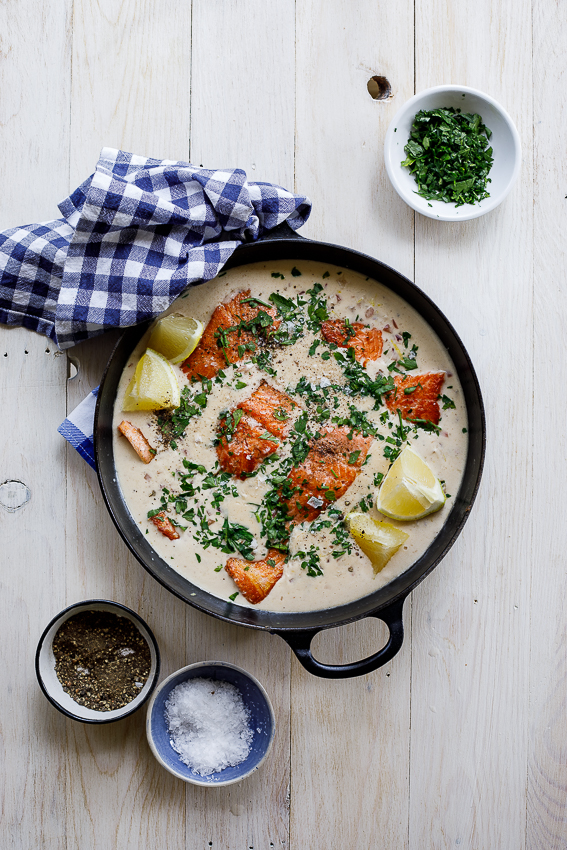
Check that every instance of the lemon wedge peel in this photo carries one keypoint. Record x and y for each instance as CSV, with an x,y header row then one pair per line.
x,y
378,540
176,336
410,490
154,385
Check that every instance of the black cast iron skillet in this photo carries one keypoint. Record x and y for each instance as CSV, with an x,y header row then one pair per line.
x,y
386,603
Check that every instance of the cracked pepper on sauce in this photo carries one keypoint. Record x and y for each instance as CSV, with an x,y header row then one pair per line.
x,y
256,430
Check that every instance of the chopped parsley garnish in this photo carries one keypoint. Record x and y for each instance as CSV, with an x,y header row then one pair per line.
x,y
449,155
263,361
172,423
311,561
317,309
281,414
448,403
229,423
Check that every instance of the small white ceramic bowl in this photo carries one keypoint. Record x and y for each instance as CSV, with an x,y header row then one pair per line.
x,y
256,700
52,687
505,143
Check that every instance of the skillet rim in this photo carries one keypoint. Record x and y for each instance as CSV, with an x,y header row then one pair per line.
x,y
293,246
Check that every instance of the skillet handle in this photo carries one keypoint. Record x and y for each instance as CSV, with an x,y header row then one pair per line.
x,y
281,231
300,642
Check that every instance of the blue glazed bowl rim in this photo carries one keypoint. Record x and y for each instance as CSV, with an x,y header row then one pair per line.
x,y
180,676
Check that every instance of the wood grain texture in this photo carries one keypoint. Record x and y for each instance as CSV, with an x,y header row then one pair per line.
x,y
131,80
34,53
243,87
340,129
35,78
470,674
350,739
547,764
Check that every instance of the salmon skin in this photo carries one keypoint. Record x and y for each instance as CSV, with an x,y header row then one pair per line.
x,y
255,579
332,464
419,403
251,432
229,336
366,342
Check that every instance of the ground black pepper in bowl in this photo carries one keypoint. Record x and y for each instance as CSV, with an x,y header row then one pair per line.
x,y
101,660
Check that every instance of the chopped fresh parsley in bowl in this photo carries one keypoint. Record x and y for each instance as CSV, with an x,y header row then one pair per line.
x,y
450,156
452,153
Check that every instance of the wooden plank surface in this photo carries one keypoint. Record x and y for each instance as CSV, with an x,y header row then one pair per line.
x,y
460,741
547,753
470,673
34,53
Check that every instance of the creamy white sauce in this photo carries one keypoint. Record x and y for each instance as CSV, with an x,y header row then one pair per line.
x,y
349,295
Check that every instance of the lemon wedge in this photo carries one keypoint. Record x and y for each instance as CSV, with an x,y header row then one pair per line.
x,y
410,490
176,336
378,540
154,385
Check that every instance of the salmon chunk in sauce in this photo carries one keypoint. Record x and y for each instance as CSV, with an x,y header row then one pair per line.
x,y
255,579
272,408
252,431
331,466
243,447
416,396
366,342
229,336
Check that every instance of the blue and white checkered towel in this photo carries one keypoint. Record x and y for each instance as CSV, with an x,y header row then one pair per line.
x,y
78,428
132,237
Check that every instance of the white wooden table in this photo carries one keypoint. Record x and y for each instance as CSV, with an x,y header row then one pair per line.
x,y
461,741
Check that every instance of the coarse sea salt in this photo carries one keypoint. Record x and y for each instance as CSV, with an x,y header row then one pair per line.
x,y
208,725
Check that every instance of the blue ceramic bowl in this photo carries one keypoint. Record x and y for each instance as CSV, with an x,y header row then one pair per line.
x,y
256,701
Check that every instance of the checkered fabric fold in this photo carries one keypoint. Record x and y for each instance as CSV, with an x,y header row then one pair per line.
x,y
132,238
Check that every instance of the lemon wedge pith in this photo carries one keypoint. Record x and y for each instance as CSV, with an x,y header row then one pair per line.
x,y
154,385
410,490
176,336
378,540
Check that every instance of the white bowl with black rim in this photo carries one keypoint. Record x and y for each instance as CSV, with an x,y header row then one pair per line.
x,y
45,664
505,143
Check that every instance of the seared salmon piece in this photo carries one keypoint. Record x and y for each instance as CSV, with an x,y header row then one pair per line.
x,y
255,579
137,441
418,403
241,451
270,407
217,349
331,466
165,525
367,342
264,417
